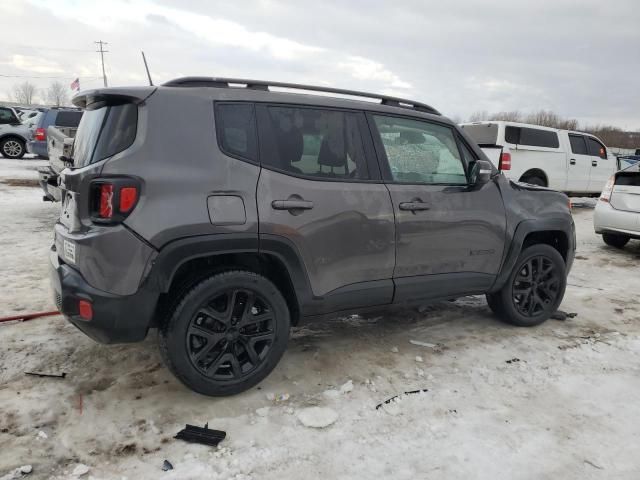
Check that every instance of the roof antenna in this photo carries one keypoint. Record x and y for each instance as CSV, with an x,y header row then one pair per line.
x,y
144,59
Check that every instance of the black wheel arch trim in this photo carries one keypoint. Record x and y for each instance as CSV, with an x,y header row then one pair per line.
x,y
175,254
563,223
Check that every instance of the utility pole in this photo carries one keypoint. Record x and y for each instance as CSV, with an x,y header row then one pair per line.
x,y
101,51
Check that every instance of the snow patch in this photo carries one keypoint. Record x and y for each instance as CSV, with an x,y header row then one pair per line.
x,y
317,417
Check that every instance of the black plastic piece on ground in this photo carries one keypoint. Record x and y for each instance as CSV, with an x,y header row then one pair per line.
x,y
405,393
560,315
48,375
166,466
205,435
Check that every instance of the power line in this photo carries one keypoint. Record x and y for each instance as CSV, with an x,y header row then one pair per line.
x,y
46,77
37,47
101,51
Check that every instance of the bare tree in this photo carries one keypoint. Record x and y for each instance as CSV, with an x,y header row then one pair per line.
x,y
513,116
57,94
479,116
24,93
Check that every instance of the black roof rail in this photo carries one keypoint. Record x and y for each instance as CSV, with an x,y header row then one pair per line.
x,y
264,86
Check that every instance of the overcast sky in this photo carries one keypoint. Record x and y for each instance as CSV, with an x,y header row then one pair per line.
x,y
578,58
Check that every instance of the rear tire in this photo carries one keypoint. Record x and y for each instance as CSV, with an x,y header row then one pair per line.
x,y
535,181
226,334
534,289
13,148
615,240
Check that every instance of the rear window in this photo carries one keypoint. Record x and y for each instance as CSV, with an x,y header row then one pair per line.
x,y
533,137
483,134
68,119
103,132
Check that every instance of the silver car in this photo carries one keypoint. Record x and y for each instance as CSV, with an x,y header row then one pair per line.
x,y
617,215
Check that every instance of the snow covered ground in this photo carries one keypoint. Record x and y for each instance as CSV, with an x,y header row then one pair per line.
x,y
558,401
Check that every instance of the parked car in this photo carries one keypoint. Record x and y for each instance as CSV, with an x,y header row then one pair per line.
x,y
626,160
13,134
568,161
280,206
617,215
56,116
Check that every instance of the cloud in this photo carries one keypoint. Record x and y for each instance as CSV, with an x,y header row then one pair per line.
x,y
35,64
490,55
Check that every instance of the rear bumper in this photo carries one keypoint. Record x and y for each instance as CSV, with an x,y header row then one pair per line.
x,y
37,147
116,318
608,219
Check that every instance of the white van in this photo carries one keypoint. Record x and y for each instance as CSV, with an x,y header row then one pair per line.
x,y
572,162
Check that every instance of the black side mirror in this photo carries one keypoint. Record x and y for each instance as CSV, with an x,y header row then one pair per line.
x,y
481,172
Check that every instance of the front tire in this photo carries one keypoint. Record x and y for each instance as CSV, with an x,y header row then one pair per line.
x,y
614,240
226,334
13,148
534,289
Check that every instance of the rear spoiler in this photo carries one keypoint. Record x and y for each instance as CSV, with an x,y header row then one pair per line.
x,y
136,95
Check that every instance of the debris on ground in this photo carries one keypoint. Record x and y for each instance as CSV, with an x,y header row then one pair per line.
x,y
394,349
80,469
560,315
166,466
346,387
18,472
46,375
512,360
203,435
389,400
419,359
42,435
423,344
589,462
317,417
28,316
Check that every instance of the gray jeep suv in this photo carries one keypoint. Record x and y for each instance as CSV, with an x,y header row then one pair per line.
x,y
280,206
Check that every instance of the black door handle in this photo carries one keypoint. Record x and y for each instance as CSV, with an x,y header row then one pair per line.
x,y
292,205
594,163
414,206
572,161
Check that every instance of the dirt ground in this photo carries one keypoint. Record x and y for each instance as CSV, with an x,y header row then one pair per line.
x,y
558,401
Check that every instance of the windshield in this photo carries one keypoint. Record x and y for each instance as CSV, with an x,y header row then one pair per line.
x,y
482,133
103,132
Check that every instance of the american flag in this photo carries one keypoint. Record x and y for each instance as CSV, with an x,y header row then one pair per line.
x,y
75,85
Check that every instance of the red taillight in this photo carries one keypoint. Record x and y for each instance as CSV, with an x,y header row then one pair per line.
x,y
505,161
85,309
128,198
113,199
105,209
40,135
605,196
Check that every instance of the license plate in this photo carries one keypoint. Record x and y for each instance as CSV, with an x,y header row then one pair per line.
x,y
69,251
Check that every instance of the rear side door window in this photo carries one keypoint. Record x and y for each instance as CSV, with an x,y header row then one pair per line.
x,y
578,145
420,152
313,142
595,148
